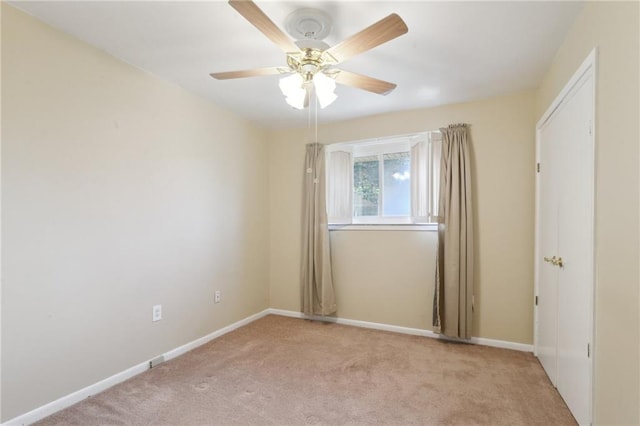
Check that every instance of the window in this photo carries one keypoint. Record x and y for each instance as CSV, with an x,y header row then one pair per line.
x,y
381,186
384,181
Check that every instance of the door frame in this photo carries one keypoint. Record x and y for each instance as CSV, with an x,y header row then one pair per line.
x,y
587,67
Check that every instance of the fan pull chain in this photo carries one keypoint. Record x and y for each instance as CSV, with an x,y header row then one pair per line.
x,y
309,121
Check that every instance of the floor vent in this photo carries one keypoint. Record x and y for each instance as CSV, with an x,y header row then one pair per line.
x,y
156,361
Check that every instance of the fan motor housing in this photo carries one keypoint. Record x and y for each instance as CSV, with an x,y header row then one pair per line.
x,y
309,61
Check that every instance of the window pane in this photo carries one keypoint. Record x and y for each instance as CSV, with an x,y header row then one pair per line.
x,y
366,186
397,188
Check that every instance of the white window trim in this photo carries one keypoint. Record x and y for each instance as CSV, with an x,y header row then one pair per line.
x,y
382,220
432,227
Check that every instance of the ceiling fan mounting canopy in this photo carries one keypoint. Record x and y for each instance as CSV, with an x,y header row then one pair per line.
x,y
308,23
309,56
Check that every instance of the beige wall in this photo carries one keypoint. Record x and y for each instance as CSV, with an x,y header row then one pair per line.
x,y
614,28
120,191
392,291
387,276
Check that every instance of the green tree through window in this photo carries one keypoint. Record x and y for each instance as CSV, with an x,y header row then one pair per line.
x,y
366,186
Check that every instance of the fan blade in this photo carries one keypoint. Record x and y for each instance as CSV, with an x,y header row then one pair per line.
x,y
381,32
256,72
364,82
252,13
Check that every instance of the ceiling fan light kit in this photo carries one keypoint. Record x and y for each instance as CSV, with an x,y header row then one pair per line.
x,y
310,67
297,90
292,89
310,61
325,87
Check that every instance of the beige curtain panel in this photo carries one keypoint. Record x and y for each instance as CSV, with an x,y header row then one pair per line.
x,y
452,310
318,296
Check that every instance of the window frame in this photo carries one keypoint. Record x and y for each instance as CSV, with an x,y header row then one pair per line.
x,y
379,147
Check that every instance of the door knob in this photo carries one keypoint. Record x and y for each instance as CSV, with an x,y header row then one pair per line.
x,y
555,261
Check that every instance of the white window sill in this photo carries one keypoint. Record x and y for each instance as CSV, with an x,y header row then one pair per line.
x,y
385,227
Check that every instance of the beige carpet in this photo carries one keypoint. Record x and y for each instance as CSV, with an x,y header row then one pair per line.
x,y
284,371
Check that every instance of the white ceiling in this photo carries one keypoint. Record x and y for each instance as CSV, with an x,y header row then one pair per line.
x,y
453,52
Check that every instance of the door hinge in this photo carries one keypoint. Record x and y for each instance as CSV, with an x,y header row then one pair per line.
x,y
538,167
588,350
536,300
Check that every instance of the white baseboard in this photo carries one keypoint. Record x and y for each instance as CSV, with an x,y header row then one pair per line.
x,y
68,400
405,330
75,397
522,347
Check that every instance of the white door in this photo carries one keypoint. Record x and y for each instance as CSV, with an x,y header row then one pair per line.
x,y
547,294
575,247
565,238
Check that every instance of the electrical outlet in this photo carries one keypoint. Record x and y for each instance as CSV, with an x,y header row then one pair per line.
x,y
216,297
157,313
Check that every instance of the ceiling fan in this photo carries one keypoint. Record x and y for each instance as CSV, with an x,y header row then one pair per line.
x,y
311,62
